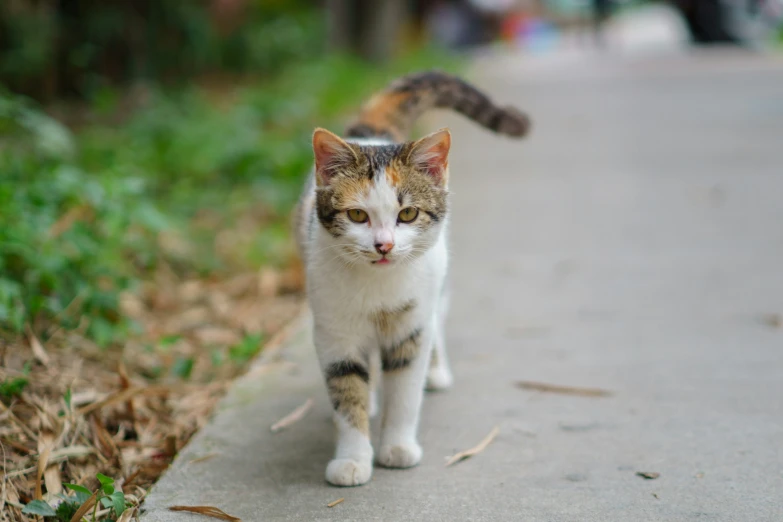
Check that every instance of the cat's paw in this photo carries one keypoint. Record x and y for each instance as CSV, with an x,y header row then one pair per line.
x,y
400,455
348,472
439,378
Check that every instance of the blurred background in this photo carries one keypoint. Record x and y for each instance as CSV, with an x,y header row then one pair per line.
x,y
151,152
134,133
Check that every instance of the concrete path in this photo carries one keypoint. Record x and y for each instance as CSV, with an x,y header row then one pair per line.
x,y
634,244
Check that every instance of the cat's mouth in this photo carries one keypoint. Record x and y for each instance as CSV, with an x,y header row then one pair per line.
x,y
382,261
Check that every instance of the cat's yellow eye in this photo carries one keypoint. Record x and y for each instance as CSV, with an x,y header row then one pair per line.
x,y
358,215
407,215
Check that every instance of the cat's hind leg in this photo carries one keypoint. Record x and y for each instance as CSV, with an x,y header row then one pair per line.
x,y
374,361
439,375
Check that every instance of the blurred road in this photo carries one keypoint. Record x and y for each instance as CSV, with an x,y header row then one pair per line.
x,y
633,244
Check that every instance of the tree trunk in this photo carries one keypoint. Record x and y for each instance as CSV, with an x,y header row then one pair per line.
x,y
366,28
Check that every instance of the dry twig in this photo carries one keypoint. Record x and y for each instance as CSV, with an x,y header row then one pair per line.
x,y
203,458
293,417
126,395
209,511
335,502
481,446
563,390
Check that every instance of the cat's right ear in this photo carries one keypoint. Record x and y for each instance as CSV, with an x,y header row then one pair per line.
x,y
331,154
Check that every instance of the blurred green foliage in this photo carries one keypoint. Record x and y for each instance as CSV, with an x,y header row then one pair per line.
x,y
78,47
83,213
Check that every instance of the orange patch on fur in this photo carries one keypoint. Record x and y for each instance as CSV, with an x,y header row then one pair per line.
x,y
351,191
392,175
382,112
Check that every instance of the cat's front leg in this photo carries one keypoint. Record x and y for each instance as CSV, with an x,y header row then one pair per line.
x,y
347,380
404,362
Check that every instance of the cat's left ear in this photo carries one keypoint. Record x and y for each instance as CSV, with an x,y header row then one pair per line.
x,y
430,154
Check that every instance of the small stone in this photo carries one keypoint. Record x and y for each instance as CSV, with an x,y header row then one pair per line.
x,y
649,475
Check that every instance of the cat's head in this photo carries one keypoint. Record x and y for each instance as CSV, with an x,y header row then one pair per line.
x,y
381,204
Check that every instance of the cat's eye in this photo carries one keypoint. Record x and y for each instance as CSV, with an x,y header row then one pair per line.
x,y
358,215
407,215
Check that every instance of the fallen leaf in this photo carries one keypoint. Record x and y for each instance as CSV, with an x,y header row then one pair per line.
x,y
481,446
44,449
53,480
563,390
126,515
208,511
85,508
38,350
71,451
67,220
773,320
335,502
292,417
649,475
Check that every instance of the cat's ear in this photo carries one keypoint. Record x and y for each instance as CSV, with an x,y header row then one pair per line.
x,y
331,154
430,154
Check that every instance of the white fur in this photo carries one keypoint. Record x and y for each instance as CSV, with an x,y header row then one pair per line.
x,y
346,288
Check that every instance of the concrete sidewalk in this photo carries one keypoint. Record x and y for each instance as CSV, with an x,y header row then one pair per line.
x,y
635,244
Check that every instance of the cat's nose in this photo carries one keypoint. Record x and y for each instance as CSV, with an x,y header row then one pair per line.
x,y
384,248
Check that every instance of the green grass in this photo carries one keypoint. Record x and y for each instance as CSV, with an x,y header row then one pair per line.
x,y
87,214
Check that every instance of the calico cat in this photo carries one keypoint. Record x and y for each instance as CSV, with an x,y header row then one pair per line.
x,y
371,227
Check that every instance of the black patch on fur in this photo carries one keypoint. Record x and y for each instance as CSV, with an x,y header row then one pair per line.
x,y
399,355
433,216
327,214
346,368
379,157
390,364
495,121
362,130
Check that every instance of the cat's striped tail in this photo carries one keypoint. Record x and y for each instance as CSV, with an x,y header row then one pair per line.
x,y
391,113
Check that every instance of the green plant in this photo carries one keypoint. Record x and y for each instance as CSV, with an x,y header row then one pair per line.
x,y
67,238
12,387
246,349
106,495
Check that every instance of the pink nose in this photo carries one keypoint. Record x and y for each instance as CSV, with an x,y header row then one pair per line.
x,y
384,248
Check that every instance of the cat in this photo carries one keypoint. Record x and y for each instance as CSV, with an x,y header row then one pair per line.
x,y
371,228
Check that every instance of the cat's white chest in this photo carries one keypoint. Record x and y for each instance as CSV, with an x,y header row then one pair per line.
x,y
344,294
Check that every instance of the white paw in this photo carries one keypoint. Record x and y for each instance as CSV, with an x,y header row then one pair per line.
x,y
348,472
373,407
399,456
439,378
